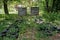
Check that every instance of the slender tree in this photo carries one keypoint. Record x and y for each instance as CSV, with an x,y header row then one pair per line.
x,y
47,5
5,6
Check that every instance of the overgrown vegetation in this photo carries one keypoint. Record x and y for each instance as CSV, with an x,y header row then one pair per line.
x,y
42,26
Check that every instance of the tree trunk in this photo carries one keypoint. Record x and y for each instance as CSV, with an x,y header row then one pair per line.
x,y
47,7
5,7
53,5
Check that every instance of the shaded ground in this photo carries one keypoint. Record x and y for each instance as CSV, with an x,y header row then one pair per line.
x,y
56,37
30,34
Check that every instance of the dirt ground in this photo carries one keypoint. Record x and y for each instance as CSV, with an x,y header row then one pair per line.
x,y
30,35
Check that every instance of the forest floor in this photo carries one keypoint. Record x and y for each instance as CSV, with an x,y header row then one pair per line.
x,y
30,33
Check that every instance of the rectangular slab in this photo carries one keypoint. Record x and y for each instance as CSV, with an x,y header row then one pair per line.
x,y
22,11
34,10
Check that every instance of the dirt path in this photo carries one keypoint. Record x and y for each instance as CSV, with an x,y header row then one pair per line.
x,y
56,37
30,35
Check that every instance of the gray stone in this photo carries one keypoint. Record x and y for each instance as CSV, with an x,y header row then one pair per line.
x,y
22,11
34,10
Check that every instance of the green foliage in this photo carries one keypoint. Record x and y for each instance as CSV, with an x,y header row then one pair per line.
x,y
51,17
27,22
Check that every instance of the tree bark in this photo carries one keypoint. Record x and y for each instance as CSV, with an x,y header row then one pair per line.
x,y
53,5
5,7
47,7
